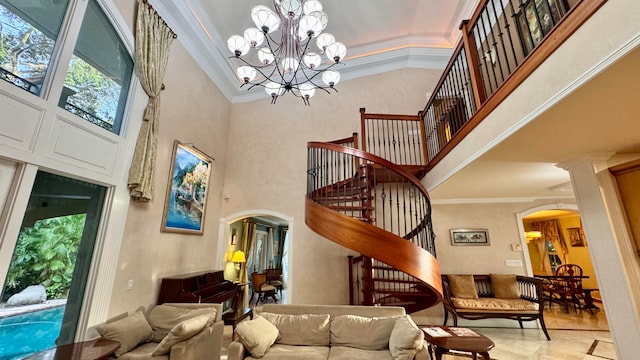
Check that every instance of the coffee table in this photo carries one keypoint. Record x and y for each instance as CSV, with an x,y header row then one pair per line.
x,y
443,339
86,350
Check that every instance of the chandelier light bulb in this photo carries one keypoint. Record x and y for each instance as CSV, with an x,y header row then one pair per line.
x,y
290,64
336,51
307,90
246,73
238,45
323,17
323,40
254,36
274,89
265,19
312,60
331,77
291,8
265,55
309,26
311,6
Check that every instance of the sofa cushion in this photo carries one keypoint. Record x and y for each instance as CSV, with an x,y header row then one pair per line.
x,y
257,335
406,339
293,352
143,352
369,333
505,286
462,286
129,332
349,353
163,318
307,329
493,304
181,332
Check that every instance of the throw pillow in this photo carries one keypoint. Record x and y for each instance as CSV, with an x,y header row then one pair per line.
x,y
406,339
129,332
305,329
257,335
462,286
163,318
367,333
181,332
505,286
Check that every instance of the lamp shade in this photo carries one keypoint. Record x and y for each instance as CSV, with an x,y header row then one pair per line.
x,y
533,234
238,257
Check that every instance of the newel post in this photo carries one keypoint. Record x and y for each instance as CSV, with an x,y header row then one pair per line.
x,y
474,67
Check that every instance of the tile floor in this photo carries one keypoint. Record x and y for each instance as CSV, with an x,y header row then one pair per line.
x,y
577,335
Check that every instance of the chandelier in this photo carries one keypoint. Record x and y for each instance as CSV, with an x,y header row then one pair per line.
x,y
292,64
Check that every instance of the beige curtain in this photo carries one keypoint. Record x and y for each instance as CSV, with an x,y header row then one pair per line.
x,y
153,40
552,231
269,258
248,233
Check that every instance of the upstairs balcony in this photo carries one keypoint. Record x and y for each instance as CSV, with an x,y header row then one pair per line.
x,y
503,43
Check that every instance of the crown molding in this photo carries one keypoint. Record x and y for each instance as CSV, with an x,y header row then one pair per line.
x,y
498,200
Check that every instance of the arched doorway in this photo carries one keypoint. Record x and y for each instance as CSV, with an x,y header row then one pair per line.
x,y
544,253
264,237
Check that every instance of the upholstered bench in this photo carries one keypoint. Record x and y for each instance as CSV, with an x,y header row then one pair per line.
x,y
510,296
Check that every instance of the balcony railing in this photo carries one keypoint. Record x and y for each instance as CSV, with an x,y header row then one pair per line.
x,y
19,82
502,44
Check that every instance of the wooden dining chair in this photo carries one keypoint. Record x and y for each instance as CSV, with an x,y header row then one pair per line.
x,y
274,277
260,286
566,286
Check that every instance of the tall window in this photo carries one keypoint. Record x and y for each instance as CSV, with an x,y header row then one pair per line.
x,y
97,79
28,32
97,82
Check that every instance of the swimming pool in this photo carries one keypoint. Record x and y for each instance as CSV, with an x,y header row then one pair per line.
x,y
25,334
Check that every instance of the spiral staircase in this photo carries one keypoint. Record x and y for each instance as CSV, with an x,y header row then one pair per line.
x,y
378,208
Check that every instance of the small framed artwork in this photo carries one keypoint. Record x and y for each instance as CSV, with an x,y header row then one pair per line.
x,y
576,237
234,237
469,237
186,198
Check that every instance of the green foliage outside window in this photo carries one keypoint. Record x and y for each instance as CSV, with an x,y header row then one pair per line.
x,y
46,254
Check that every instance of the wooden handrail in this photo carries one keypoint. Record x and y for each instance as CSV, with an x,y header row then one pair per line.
x,y
372,158
571,21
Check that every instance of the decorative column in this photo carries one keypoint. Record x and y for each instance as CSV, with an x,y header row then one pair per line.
x,y
611,249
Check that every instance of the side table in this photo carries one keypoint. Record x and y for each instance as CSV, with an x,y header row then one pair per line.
x,y
234,317
443,339
86,350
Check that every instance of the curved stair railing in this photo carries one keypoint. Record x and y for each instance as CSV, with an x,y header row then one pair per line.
x,y
372,206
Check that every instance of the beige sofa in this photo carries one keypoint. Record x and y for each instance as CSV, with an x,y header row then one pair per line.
x,y
334,332
180,331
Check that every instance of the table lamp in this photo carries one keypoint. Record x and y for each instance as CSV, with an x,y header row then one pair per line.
x,y
238,258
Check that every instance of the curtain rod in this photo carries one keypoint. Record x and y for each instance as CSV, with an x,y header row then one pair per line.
x,y
173,33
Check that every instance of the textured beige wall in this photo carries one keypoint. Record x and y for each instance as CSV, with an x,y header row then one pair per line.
x,y
267,148
193,111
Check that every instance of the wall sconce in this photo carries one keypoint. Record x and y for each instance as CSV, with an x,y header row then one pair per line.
x,y
238,258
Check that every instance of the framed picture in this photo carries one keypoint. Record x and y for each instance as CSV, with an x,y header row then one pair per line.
x,y
186,198
576,237
536,19
469,237
234,237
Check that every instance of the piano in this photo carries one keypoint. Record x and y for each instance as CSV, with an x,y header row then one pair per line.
x,y
199,287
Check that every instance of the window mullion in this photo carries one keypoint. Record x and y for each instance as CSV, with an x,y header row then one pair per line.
x,y
63,50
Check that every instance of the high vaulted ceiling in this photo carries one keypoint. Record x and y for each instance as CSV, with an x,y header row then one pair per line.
x,y
380,35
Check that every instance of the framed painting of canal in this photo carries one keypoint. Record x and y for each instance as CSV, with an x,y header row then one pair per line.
x,y
186,198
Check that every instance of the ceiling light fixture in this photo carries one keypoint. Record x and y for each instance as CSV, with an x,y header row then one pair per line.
x,y
290,65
